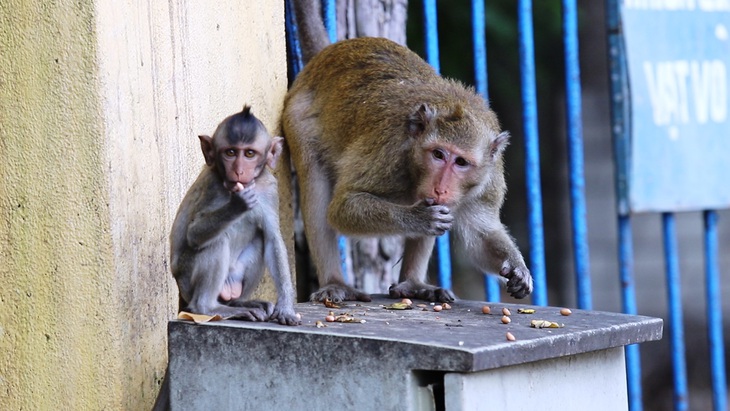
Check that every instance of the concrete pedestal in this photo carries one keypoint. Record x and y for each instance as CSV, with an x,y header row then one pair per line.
x,y
457,359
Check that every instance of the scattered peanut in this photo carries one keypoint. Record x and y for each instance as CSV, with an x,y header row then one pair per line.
x,y
330,318
486,309
446,306
510,337
505,311
437,308
506,320
299,316
407,301
566,311
319,324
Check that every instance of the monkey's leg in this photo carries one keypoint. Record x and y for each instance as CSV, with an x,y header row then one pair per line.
x,y
316,194
209,271
246,273
413,273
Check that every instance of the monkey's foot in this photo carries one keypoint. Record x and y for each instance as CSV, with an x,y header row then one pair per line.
x,y
422,291
519,280
285,315
253,310
338,293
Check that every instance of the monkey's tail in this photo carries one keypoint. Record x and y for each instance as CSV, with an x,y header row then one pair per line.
x,y
312,33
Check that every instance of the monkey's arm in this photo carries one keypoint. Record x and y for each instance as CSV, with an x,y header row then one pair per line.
x,y
490,248
208,223
362,213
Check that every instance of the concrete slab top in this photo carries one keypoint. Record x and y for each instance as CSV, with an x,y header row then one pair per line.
x,y
460,339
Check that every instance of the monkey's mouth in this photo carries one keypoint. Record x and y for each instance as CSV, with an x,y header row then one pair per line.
x,y
234,186
431,201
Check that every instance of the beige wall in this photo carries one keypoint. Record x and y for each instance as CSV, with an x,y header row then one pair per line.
x,y
100,107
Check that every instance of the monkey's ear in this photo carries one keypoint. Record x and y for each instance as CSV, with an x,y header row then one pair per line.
x,y
206,145
499,144
421,120
277,144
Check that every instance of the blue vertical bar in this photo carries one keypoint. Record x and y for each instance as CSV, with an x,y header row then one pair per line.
x,y
432,40
575,155
620,133
676,323
713,301
330,19
532,153
443,250
492,288
478,22
292,36
628,300
620,105
330,23
342,246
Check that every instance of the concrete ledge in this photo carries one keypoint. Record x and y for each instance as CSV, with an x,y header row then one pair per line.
x,y
391,361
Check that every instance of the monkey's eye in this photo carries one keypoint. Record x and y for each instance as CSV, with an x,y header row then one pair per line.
x,y
249,153
438,154
230,152
461,162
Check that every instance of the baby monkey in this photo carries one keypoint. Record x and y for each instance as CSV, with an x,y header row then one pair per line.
x,y
227,227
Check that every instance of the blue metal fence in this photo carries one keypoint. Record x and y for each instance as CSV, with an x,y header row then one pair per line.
x,y
621,135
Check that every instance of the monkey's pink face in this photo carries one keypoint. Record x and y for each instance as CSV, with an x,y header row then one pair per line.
x,y
242,163
448,173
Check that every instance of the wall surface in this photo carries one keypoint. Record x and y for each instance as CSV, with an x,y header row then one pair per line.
x,y
100,107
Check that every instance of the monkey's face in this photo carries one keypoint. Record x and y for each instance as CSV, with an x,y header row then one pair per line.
x,y
240,163
448,172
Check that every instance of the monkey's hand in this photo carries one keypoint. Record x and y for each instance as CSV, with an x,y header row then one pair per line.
x,y
337,292
432,219
246,197
284,314
422,291
519,280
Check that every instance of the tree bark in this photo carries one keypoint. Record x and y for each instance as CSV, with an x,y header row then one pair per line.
x,y
372,18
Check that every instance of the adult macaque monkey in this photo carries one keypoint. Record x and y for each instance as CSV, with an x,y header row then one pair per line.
x,y
227,227
383,145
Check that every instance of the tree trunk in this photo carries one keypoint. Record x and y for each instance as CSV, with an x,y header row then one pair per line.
x,y
372,18
373,264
